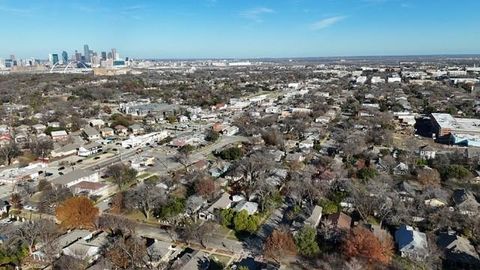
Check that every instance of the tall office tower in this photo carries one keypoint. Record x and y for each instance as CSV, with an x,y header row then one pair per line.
x,y
114,54
64,57
86,53
110,55
53,58
104,56
78,56
12,57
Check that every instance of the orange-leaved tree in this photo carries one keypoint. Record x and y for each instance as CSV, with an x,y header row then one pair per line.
x,y
77,212
362,243
279,244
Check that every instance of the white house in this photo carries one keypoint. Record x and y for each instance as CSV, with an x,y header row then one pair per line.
x,y
89,149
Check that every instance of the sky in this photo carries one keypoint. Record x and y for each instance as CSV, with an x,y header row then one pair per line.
x,y
240,28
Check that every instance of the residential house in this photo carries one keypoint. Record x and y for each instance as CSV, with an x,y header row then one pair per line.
x,y
89,149
91,134
53,124
75,177
60,135
224,202
459,252
465,202
427,152
340,221
194,204
196,260
87,248
67,150
408,190
4,207
230,130
401,169
97,123
90,188
295,157
107,132
137,129
411,243
121,130
250,207
314,219
159,251
5,139
39,128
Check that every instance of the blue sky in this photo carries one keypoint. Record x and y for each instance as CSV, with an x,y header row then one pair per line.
x,y
240,28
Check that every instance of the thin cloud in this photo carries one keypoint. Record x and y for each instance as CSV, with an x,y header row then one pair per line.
x,y
256,14
327,22
16,11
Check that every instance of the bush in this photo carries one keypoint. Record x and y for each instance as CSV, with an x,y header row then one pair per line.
x,y
212,136
328,207
233,153
239,221
366,173
171,209
454,171
306,241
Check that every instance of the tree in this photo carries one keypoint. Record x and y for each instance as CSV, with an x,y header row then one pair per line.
x,y
77,212
145,198
366,173
362,243
255,167
32,233
306,241
226,217
183,155
279,244
9,152
116,225
454,171
127,253
428,176
16,201
212,136
200,232
232,153
205,187
172,208
372,199
244,222
69,262
121,174
117,203
52,196
41,147
43,185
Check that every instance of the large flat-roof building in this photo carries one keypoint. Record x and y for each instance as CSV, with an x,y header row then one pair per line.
x,y
457,130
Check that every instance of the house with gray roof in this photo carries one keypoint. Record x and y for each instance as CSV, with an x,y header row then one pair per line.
x,y
411,243
459,252
75,177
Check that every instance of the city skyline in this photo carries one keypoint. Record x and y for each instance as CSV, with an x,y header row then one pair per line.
x,y
250,29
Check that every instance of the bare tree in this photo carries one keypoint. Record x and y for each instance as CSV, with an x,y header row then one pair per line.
x,y
253,168
116,225
41,231
145,198
9,151
127,253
